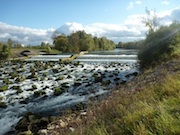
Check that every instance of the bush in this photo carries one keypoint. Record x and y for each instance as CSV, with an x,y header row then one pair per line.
x,y
160,46
5,53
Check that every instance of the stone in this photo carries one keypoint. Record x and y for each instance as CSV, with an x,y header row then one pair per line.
x,y
63,124
72,129
43,132
77,83
98,79
3,105
123,81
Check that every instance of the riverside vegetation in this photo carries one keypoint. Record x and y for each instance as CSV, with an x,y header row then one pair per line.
x,y
74,43
147,105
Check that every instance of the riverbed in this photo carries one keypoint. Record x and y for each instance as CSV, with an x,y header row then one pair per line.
x,y
45,86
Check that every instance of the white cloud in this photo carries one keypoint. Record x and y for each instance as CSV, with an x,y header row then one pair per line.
x,y
68,28
130,6
115,32
128,31
165,2
24,35
138,2
133,3
170,15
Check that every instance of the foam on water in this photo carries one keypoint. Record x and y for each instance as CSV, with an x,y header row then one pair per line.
x,y
106,60
50,104
107,56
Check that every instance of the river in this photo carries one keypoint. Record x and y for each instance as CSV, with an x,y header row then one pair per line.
x,y
93,75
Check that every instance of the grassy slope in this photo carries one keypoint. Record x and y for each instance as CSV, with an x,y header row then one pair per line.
x,y
149,104
152,106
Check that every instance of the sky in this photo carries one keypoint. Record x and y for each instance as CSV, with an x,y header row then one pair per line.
x,y
31,22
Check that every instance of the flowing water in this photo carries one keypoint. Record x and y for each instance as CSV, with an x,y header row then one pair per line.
x,y
117,55
96,73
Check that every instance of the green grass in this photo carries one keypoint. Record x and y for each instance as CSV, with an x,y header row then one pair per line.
x,y
154,110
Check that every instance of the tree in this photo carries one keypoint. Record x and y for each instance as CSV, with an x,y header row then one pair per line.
x,y
119,45
161,45
5,53
48,49
152,21
43,45
10,43
74,42
61,43
96,43
81,41
87,44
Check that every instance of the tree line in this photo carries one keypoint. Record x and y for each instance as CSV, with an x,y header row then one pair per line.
x,y
81,41
76,42
130,45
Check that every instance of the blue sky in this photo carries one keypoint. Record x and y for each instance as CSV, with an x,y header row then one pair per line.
x,y
48,15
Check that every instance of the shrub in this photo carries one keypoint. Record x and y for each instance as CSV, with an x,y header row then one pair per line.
x,y
5,53
160,46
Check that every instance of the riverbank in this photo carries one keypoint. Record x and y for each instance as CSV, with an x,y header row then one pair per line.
x,y
149,104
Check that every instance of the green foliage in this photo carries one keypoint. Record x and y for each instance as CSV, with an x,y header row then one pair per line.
x,y
130,45
5,52
13,44
48,49
80,41
61,43
160,46
10,43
